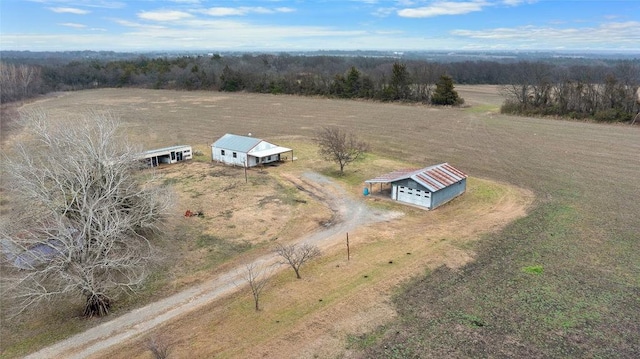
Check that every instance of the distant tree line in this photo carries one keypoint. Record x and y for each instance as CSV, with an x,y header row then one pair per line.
x,y
539,89
599,89
19,81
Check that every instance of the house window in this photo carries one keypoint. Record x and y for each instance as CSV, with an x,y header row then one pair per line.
x,y
235,155
222,152
269,158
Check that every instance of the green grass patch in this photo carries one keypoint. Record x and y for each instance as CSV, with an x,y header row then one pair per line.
x,y
219,249
536,269
484,191
469,320
170,181
364,341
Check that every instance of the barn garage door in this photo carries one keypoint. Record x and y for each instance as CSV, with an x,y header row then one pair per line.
x,y
414,196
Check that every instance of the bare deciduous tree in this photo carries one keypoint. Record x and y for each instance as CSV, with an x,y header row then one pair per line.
x,y
158,346
18,81
86,213
297,255
340,146
257,278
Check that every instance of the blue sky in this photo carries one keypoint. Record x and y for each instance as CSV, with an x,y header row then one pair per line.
x,y
291,25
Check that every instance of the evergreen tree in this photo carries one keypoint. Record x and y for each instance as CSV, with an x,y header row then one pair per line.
x,y
445,94
353,83
230,80
398,87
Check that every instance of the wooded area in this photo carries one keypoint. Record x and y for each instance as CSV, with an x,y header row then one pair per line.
x,y
599,89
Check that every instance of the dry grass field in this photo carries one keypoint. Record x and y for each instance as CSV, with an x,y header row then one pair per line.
x,y
562,280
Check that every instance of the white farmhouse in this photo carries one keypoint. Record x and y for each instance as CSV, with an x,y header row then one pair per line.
x,y
246,151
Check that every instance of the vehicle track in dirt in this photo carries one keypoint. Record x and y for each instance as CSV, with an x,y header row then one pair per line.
x,y
349,213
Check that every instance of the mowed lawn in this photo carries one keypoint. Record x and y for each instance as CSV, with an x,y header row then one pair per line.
x,y
564,281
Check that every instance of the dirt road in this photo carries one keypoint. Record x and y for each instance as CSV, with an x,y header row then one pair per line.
x,y
349,213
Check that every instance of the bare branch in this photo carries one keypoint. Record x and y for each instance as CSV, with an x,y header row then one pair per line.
x,y
158,346
340,146
297,255
257,278
88,210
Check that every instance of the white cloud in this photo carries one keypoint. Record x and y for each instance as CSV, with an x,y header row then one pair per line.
x,y
103,4
285,9
69,10
132,24
550,37
223,11
220,28
73,25
164,15
518,2
444,8
244,10
383,11
369,2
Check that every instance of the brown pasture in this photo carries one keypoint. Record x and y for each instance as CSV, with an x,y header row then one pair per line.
x,y
590,166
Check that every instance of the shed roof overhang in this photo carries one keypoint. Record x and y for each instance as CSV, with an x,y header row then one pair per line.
x,y
270,151
392,176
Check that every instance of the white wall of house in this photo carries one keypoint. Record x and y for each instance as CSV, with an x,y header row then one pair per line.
x,y
263,152
230,157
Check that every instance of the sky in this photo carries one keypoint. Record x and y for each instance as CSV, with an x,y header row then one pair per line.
x,y
297,25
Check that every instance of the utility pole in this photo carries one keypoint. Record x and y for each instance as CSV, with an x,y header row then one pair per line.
x,y
348,253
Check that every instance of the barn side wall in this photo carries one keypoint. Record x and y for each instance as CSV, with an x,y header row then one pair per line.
x,y
448,193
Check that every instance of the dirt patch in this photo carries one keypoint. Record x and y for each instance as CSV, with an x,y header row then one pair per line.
x,y
338,298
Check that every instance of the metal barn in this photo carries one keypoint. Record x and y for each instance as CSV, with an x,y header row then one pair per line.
x,y
246,151
167,155
428,187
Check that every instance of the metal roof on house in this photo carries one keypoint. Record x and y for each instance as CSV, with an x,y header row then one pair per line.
x,y
433,178
236,143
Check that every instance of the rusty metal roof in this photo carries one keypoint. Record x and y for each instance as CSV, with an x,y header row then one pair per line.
x,y
433,178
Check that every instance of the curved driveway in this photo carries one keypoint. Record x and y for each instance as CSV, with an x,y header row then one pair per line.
x,y
348,214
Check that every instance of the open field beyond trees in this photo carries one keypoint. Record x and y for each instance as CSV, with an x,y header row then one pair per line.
x,y
540,258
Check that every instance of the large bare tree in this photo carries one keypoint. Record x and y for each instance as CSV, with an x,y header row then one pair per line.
x,y
340,146
295,255
81,215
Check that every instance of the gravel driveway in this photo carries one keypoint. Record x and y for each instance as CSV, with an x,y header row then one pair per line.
x,y
349,213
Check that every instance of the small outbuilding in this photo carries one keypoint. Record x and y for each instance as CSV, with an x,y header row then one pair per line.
x,y
171,154
246,151
428,187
